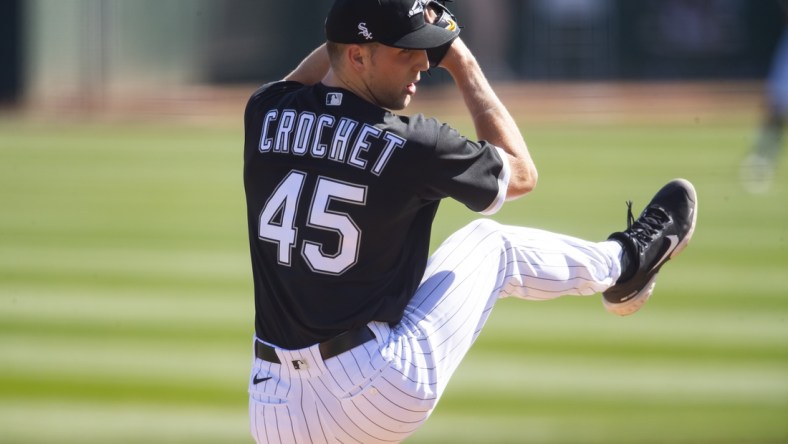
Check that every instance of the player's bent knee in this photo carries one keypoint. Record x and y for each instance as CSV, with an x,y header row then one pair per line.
x,y
482,227
485,229
486,225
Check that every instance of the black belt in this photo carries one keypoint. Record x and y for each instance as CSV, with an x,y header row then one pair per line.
x,y
328,349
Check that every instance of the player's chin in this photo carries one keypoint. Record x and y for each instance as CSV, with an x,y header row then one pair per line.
x,y
407,96
399,103
406,101
395,100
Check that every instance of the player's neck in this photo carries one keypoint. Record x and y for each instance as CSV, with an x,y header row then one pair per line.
x,y
335,79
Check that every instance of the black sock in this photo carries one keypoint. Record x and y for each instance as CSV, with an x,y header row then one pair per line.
x,y
627,265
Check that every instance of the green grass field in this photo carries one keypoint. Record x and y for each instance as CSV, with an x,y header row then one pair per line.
x,y
126,309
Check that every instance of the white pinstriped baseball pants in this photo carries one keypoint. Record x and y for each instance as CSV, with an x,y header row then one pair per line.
x,y
382,391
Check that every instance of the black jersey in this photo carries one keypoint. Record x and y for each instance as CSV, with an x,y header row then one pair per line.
x,y
341,195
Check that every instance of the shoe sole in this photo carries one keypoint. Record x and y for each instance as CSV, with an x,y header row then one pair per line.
x,y
639,300
634,303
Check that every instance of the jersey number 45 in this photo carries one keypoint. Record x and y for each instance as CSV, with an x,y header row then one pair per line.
x,y
278,222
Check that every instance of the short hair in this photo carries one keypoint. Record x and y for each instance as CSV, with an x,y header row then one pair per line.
x,y
336,50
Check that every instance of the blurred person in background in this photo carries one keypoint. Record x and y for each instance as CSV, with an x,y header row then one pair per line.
x,y
760,164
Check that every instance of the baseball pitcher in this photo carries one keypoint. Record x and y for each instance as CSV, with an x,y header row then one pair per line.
x,y
357,330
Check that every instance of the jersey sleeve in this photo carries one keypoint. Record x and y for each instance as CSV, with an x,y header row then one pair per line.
x,y
503,184
473,173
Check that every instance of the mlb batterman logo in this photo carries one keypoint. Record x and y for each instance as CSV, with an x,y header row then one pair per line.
x,y
334,99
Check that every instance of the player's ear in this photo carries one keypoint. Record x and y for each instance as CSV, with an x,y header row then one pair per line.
x,y
356,56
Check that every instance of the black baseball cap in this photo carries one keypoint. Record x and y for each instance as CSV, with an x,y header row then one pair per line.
x,y
397,23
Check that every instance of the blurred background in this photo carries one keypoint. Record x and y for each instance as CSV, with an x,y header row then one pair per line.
x,y
89,52
125,289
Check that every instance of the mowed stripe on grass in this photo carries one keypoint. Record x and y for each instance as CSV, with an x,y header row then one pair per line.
x,y
125,306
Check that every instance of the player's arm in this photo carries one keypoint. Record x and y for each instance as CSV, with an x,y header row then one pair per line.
x,y
491,119
312,69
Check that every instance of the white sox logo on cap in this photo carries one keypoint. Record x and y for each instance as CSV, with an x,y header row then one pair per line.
x,y
397,23
363,31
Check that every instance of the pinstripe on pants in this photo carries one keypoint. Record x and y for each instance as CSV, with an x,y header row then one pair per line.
x,y
382,391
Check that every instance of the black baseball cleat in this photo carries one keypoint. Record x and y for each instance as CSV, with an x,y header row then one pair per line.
x,y
662,231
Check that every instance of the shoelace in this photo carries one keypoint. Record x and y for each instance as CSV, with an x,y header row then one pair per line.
x,y
645,228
